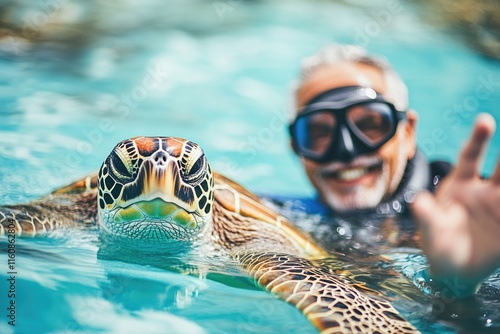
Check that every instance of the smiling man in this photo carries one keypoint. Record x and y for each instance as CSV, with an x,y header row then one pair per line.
x,y
354,134
355,137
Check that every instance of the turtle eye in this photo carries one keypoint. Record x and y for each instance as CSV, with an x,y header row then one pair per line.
x,y
121,169
194,171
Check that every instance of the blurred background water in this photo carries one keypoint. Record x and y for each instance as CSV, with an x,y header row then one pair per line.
x,y
77,77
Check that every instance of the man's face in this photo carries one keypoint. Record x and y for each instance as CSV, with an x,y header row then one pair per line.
x,y
366,180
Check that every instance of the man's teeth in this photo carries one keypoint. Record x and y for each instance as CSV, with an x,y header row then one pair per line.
x,y
351,174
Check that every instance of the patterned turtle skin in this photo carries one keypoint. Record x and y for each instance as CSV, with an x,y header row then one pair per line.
x,y
161,190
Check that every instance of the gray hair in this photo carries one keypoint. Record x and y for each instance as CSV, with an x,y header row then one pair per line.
x,y
337,53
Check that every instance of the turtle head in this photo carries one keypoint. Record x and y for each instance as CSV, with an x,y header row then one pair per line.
x,y
155,189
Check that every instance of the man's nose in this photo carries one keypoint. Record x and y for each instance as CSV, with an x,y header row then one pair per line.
x,y
344,149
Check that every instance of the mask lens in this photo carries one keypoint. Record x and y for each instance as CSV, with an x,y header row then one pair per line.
x,y
373,122
313,133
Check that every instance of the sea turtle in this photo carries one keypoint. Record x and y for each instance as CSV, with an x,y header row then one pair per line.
x,y
161,191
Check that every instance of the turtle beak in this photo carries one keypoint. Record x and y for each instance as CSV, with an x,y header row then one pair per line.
x,y
157,210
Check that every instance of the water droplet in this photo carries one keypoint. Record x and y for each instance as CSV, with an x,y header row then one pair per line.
x,y
396,206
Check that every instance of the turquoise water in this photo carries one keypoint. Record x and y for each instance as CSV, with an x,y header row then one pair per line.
x,y
219,76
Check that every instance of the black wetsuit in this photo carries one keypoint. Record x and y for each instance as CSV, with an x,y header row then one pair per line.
x,y
419,175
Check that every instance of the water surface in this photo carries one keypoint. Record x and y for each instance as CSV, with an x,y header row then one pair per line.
x,y
101,72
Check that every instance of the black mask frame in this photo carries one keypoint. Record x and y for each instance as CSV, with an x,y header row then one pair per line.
x,y
347,141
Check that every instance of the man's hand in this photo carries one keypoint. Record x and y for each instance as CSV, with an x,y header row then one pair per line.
x,y
460,225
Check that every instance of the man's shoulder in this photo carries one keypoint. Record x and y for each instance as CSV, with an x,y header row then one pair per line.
x,y
421,174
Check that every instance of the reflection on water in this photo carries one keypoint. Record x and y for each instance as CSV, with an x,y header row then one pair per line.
x,y
81,292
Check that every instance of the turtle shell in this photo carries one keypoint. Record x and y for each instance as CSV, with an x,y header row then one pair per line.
x,y
83,185
235,198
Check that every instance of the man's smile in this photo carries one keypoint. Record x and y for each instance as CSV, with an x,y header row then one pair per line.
x,y
352,174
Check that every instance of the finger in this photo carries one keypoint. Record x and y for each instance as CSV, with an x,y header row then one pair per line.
x,y
424,208
496,175
468,162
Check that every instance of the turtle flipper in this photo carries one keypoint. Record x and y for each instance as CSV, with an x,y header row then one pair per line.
x,y
26,220
329,302
49,213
